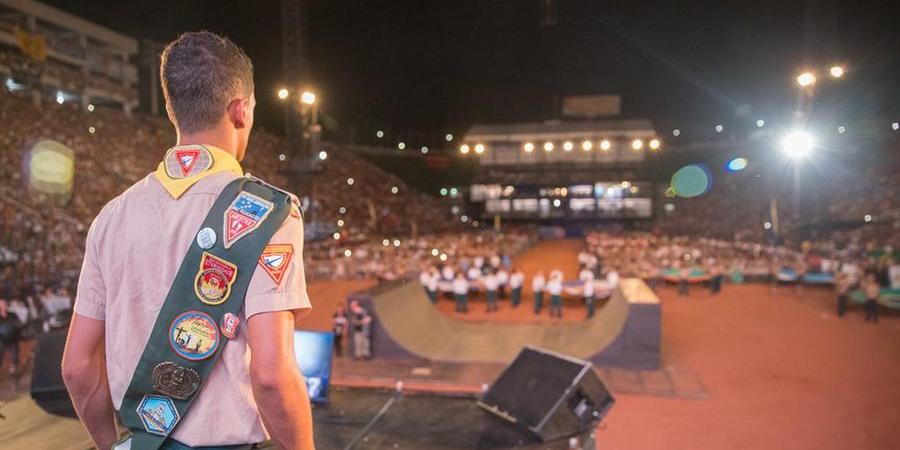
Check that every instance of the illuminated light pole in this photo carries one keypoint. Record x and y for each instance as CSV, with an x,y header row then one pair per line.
x,y
528,147
797,144
806,79
836,71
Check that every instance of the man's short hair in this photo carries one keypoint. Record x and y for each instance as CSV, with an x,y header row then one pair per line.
x,y
201,73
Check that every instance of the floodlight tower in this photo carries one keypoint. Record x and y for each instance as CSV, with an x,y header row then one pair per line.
x,y
295,65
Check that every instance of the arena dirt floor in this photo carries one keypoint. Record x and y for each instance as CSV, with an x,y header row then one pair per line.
x,y
780,371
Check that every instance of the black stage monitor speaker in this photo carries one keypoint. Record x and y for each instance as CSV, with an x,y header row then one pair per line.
x,y
47,388
550,394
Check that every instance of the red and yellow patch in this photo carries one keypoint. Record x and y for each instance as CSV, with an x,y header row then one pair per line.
x,y
214,279
275,260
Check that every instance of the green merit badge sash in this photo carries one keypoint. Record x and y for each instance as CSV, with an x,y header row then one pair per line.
x,y
201,310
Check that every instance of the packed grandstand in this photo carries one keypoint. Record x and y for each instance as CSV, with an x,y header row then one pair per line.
x,y
378,233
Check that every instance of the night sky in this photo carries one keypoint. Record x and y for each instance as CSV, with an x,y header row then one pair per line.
x,y
418,68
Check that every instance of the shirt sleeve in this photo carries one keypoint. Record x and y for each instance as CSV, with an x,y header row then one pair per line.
x,y
90,300
280,286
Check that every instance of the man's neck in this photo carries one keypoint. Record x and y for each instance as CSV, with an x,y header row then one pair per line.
x,y
209,138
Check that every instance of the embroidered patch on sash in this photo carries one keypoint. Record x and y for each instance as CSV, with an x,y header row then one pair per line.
x,y
229,325
194,335
158,414
175,381
275,259
186,161
246,213
214,279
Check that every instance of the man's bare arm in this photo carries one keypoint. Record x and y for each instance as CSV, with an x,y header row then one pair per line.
x,y
278,386
84,372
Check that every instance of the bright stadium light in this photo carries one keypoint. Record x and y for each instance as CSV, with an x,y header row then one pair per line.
x,y
568,146
767,225
448,137
548,146
350,181
60,97
676,132
342,210
395,190
386,242
424,150
529,147
340,222
308,98
760,123
587,146
797,144
283,93
401,145
605,145
806,79
720,128
336,236
435,252
379,134
323,155
842,129
92,130
836,71
479,148
464,149
654,144
895,126
90,107
867,218
396,242
348,253
637,144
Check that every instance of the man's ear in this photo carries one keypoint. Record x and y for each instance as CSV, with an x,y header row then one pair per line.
x,y
237,112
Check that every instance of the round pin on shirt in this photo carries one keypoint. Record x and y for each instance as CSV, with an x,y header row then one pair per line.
x,y
206,238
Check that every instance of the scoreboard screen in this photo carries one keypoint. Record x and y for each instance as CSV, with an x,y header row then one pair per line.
x,y
602,199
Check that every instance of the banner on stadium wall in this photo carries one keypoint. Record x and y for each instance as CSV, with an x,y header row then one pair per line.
x,y
591,106
32,45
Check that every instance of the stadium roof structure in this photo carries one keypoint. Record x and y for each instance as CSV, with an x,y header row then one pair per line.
x,y
539,143
556,129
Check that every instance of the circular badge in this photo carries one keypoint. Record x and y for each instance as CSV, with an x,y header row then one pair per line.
x,y
194,335
212,285
175,381
206,238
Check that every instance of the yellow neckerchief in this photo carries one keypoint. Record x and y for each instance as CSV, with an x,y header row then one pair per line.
x,y
222,161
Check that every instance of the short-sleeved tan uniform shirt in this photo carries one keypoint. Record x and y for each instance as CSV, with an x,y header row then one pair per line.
x,y
133,251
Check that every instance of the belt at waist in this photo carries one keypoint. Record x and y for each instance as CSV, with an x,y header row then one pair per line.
x,y
172,444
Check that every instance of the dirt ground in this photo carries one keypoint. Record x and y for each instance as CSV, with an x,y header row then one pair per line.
x,y
781,371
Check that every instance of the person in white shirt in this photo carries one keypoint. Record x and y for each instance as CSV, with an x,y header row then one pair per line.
x,y
502,281
432,285
461,293
589,293
473,274
516,280
612,278
584,274
490,288
424,276
447,273
479,262
555,287
537,286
